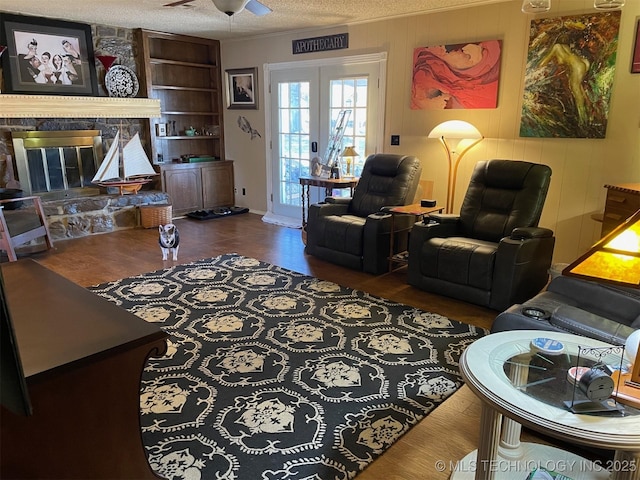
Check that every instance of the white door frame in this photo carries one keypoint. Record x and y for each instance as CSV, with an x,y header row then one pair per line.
x,y
380,58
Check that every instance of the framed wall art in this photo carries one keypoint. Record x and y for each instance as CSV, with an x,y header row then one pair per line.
x,y
47,57
456,76
242,88
569,76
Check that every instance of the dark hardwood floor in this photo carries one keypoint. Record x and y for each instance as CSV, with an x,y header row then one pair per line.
x,y
100,258
446,435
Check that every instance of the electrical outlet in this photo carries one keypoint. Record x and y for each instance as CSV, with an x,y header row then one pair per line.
x,y
395,139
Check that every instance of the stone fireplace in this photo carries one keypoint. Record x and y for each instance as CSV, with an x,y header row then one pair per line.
x,y
58,166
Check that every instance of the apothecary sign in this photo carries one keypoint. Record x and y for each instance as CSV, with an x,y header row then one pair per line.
x,y
321,44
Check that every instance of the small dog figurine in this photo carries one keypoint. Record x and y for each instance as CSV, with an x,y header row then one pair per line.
x,y
169,240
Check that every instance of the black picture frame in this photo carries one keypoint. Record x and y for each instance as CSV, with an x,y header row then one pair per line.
x,y
69,68
242,88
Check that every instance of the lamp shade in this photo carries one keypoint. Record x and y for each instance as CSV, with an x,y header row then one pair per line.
x,y
230,7
614,259
349,152
455,129
632,345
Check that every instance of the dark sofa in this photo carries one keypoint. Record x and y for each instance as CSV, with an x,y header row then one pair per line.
x,y
604,312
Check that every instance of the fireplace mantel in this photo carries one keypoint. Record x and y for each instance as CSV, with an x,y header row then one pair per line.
x,y
53,106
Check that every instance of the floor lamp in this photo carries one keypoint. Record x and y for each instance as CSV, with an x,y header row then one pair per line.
x,y
450,134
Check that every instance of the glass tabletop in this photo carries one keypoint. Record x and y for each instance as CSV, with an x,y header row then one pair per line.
x,y
553,377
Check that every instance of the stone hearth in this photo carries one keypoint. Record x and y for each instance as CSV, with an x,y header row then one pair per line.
x,y
79,217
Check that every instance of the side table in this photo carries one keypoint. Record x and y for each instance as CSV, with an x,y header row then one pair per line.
x,y
329,184
414,209
623,200
500,455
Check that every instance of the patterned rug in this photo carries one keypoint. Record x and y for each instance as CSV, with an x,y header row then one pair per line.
x,y
272,374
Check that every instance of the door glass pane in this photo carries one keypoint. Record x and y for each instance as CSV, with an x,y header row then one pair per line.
x,y
351,94
294,154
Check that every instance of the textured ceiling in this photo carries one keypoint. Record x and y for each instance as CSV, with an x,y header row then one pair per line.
x,y
200,17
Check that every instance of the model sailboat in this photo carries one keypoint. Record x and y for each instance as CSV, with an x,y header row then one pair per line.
x,y
136,167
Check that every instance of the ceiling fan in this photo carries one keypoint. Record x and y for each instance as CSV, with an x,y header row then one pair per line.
x,y
231,7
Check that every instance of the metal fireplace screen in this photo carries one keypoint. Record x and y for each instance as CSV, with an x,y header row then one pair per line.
x,y
58,164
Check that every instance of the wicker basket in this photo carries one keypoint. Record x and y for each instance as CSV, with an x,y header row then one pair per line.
x,y
155,215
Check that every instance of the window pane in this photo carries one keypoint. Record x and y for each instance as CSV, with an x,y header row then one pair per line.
x,y
294,140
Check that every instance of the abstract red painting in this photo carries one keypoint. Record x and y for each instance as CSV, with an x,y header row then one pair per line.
x,y
463,75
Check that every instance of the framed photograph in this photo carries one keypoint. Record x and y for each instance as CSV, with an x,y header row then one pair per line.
x,y
242,88
635,62
47,57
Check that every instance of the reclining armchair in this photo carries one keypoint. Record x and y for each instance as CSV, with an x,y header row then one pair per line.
x,y
354,232
605,312
493,253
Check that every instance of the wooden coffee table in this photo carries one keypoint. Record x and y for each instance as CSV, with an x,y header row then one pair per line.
x,y
500,453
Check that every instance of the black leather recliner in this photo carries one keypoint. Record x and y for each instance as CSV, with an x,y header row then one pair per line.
x,y
354,232
493,253
572,305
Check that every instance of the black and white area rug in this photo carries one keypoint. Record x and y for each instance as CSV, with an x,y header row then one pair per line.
x,y
272,374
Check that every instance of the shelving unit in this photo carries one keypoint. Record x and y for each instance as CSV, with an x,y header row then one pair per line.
x,y
184,73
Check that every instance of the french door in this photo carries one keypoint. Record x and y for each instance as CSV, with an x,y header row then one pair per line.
x,y
305,102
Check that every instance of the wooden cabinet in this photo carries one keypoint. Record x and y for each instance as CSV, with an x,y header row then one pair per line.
x,y
184,74
217,184
198,186
623,200
82,367
183,183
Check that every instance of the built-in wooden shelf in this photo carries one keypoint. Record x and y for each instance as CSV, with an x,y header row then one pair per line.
x,y
165,61
53,106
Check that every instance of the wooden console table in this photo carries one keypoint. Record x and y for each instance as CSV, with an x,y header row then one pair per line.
x,y
82,357
623,200
328,184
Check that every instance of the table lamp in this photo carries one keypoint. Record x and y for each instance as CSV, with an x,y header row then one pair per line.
x,y
451,134
348,154
631,347
615,259
627,384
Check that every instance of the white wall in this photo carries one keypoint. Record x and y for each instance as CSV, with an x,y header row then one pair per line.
x,y
581,167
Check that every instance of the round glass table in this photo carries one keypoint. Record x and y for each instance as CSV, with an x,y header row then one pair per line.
x,y
520,385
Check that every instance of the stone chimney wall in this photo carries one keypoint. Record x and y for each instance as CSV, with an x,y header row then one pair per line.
x,y
78,217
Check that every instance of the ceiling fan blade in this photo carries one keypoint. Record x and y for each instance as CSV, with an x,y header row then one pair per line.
x,y
178,3
257,8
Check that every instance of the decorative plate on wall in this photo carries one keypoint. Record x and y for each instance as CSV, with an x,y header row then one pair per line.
x,y
120,81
